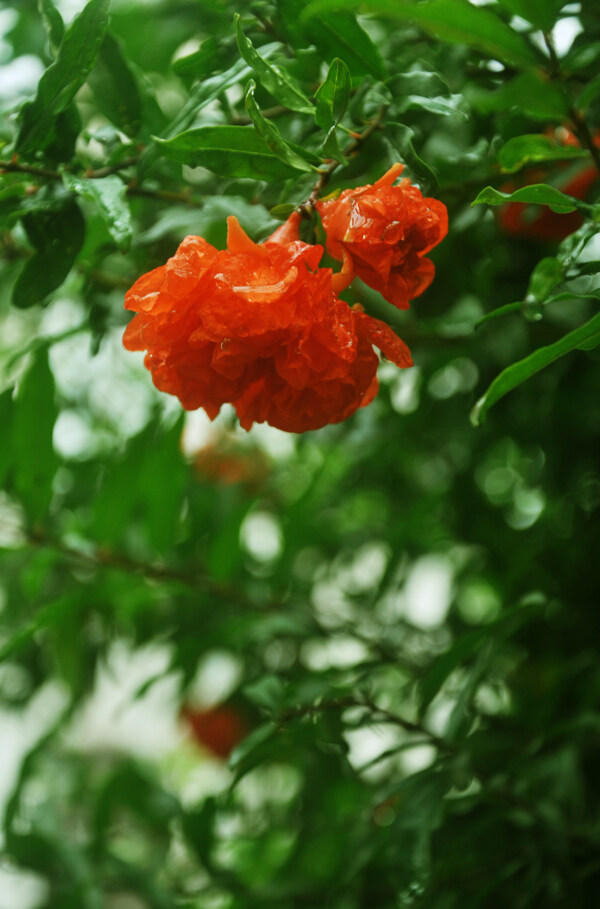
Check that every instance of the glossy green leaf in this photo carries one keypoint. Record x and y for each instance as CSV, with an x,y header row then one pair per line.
x,y
34,461
109,194
53,22
530,93
535,194
274,78
332,95
336,34
331,147
283,211
115,87
457,21
441,106
57,236
62,80
401,137
230,151
201,62
206,91
271,136
585,337
546,275
541,13
523,150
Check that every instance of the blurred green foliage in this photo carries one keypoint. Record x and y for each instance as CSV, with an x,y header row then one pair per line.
x,y
403,607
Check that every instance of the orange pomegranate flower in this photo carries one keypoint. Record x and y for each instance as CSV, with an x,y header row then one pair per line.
x,y
537,221
259,326
385,231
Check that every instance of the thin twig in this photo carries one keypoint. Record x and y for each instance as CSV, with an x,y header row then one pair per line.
x,y
380,715
307,207
101,557
34,170
578,121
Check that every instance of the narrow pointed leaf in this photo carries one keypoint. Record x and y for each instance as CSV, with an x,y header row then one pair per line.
x,y
271,136
63,78
332,95
230,151
585,337
108,193
34,461
57,236
115,87
277,82
456,21
53,22
523,150
536,194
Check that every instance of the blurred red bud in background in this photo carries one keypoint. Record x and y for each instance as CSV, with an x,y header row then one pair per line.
x,y
218,729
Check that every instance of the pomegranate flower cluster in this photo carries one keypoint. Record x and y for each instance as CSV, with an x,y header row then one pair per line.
x,y
261,326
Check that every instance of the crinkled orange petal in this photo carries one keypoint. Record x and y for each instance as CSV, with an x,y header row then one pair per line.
x,y
382,336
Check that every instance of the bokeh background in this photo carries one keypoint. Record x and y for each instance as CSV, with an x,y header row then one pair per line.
x,y
356,667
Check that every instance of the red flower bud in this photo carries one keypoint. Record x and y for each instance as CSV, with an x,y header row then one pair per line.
x,y
219,729
386,231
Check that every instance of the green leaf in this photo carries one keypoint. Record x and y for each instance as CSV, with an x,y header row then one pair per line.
x,y
530,93
62,80
331,147
401,137
109,194
456,21
332,95
271,136
441,106
469,644
201,62
535,194
277,82
34,461
204,93
546,275
115,87
541,13
267,692
53,23
283,211
584,337
6,418
589,94
57,236
251,743
336,34
522,150
230,151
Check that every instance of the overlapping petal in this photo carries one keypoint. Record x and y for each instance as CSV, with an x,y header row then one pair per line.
x,y
386,231
259,326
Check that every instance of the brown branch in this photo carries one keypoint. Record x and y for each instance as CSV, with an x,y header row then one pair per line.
x,y
101,557
306,208
16,167
578,121
380,715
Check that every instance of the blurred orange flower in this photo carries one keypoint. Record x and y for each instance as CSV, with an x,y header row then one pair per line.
x,y
539,222
259,326
385,231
